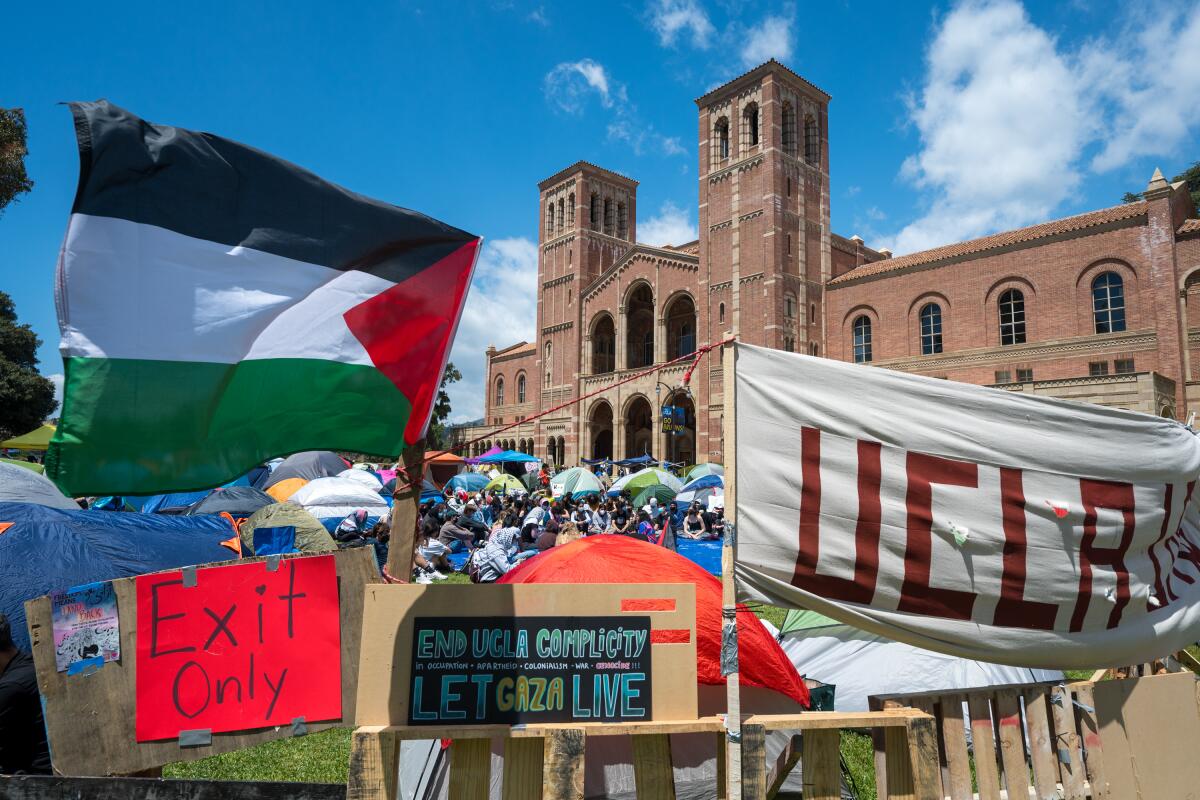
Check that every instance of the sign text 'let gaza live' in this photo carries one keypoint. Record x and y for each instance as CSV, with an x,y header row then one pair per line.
x,y
481,670
239,647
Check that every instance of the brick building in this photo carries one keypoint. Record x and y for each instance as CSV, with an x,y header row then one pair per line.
x,y
1093,307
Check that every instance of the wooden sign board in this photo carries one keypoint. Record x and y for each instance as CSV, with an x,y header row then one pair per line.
x,y
392,614
90,717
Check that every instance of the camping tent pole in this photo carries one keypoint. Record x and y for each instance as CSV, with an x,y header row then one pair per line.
x,y
729,665
406,507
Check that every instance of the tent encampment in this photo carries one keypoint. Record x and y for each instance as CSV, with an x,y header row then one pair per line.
x,y
311,536
860,664
20,485
237,501
38,439
309,465
44,549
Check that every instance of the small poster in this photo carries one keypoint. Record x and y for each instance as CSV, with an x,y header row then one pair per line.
x,y
85,625
479,670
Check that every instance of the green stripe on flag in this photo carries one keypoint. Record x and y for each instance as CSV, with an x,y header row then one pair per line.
x,y
142,427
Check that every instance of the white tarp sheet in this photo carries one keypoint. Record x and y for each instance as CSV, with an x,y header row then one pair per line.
x,y
962,519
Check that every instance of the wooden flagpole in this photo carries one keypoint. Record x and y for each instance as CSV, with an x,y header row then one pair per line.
x,y
729,650
406,507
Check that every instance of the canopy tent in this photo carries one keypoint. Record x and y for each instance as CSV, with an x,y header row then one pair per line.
x,y
507,457
20,485
38,439
467,481
640,480
309,465
701,470
32,466
636,461
860,664
44,549
595,461
576,482
311,536
491,451
237,501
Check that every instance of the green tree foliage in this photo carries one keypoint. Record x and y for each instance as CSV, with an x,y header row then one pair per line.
x,y
441,409
1191,176
26,398
13,180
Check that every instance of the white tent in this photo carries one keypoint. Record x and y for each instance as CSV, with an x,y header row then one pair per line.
x,y
860,664
327,498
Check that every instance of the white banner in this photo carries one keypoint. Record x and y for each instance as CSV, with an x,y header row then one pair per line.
x,y
974,521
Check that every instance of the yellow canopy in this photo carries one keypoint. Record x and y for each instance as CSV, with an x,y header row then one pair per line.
x,y
34,440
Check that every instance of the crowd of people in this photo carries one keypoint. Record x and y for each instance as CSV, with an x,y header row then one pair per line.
x,y
499,530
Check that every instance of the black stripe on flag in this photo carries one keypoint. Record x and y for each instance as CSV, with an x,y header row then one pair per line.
x,y
207,187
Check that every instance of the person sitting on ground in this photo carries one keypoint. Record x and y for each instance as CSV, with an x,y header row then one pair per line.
x,y
455,536
582,517
694,525
378,537
352,527
431,558
601,518
490,562
548,539
621,521
715,520
23,747
645,528
653,509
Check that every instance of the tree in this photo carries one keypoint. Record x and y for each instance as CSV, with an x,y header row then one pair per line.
x,y
1191,176
13,180
26,398
441,408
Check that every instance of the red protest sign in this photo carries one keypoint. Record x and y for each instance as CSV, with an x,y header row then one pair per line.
x,y
245,647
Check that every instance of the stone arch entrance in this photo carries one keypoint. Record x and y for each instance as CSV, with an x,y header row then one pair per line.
x,y
681,447
639,325
600,430
681,327
604,345
639,427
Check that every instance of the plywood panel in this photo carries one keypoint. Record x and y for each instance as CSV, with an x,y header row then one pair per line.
x,y
90,718
390,609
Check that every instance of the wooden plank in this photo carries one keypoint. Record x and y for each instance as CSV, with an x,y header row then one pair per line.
x,y
1188,660
733,685
1041,744
923,759
785,762
824,720
470,769
1093,751
374,765
987,774
1066,744
1012,743
899,784
821,767
90,719
523,764
406,506
47,787
879,742
722,781
928,705
652,772
754,762
562,773
954,748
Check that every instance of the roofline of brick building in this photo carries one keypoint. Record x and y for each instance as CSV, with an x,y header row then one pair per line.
x,y
514,349
628,255
585,165
1189,228
1104,219
847,246
756,73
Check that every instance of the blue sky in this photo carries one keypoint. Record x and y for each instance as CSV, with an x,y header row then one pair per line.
x,y
948,120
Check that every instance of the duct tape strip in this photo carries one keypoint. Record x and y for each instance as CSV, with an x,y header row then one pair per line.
x,y
298,727
729,642
731,533
272,563
1064,756
87,666
201,737
189,577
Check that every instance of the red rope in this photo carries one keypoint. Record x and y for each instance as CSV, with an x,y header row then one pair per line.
x,y
687,377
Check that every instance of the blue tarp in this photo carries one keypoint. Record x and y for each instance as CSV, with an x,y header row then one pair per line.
x,y
705,553
47,549
633,462
507,457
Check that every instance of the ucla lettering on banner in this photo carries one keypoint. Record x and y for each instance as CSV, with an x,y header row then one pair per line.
x,y
965,519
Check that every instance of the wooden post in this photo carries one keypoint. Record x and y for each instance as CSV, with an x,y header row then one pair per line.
x,y
821,765
733,703
470,769
374,765
523,763
754,775
406,507
562,773
652,771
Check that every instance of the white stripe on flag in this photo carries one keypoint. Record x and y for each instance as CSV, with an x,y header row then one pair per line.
x,y
145,292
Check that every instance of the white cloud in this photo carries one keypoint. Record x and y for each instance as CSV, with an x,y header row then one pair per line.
x,y
671,146
538,15
1011,121
671,17
672,225
57,379
771,38
501,310
570,83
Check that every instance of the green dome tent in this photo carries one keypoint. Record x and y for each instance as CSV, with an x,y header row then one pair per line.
x,y
311,536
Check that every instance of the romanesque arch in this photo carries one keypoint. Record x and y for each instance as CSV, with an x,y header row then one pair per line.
x,y
639,326
680,317
600,429
604,344
639,427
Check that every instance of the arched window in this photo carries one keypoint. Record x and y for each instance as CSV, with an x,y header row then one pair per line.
x,y
521,388
562,213
550,218
548,362
721,313
789,306
500,391
571,210
862,340
594,212
1012,317
721,134
750,125
789,130
1108,302
622,222
812,140
608,216
931,329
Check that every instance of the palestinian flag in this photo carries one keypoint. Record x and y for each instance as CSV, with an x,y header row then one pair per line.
x,y
220,306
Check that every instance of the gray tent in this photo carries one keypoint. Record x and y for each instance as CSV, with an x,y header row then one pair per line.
x,y
20,485
309,465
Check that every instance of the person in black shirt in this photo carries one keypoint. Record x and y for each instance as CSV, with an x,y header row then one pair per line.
x,y
23,747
